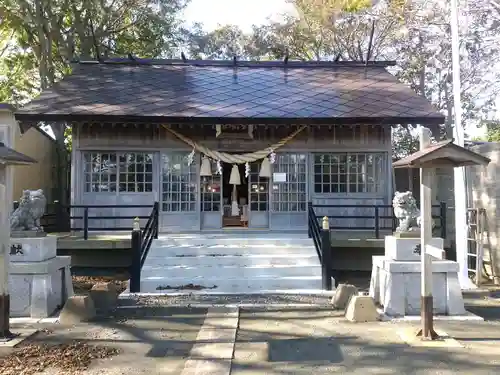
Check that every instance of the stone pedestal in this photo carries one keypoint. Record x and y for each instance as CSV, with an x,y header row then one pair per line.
x,y
39,281
407,249
32,249
396,280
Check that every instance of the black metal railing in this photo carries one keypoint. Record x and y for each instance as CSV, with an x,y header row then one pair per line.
x,y
141,243
149,233
322,243
379,216
59,218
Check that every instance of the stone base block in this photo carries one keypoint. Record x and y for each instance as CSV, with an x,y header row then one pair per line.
x,y
361,309
104,296
77,309
396,286
33,249
343,294
37,289
407,249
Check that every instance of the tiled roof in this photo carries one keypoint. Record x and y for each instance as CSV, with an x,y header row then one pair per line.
x,y
456,157
10,156
254,92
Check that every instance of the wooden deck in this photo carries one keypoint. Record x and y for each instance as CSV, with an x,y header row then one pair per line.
x,y
363,239
121,240
116,241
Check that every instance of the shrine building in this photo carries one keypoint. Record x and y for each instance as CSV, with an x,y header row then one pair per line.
x,y
231,143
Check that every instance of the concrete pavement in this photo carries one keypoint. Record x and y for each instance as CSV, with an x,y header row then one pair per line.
x,y
162,340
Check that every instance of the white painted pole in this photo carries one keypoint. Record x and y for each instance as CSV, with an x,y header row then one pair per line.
x,y
459,173
426,178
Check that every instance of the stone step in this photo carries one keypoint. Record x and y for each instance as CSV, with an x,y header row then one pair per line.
x,y
196,274
161,262
243,241
162,251
241,285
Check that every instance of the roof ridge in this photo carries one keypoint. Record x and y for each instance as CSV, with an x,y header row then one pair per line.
x,y
242,63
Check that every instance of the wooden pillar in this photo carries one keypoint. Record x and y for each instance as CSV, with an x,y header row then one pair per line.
x,y
426,307
5,333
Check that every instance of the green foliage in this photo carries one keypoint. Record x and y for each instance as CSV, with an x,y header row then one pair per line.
x,y
46,35
492,131
18,84
405,142
39,39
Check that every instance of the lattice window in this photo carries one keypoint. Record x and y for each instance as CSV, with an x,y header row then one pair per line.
x,y
100,172
210,193
348,172
179,183
289,187
136,172
259,189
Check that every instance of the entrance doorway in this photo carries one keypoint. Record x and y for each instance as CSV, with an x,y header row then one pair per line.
x,y
234,216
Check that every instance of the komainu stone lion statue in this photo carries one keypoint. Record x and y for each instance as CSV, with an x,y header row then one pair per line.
x,y
406,211
31,209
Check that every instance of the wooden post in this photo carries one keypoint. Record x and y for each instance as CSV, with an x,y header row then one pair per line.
x,y
86,223
377,223
58,212
326,256
426,306
5,333
309,206
442,214
157,219
135,267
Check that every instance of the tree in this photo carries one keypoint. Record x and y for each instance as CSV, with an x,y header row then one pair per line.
x,y
18,83
221,44
308,37
492,131
405,141
56,31
424,51
46,35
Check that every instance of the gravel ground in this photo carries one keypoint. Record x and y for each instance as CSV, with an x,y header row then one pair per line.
x,y
240,299
83,284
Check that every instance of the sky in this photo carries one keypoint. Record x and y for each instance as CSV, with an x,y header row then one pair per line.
x,y
243,13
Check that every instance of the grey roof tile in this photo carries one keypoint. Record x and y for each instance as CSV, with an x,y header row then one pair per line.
x,y
207,90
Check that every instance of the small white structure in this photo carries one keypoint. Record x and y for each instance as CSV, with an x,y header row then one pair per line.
x,y
39,281
395,281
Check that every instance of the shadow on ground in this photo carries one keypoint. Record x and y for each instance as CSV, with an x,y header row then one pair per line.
x,y
321,343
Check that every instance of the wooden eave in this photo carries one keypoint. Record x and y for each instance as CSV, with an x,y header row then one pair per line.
x,y
9,156
442,154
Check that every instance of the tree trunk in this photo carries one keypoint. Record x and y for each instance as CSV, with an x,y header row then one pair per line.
x,y
61,167
40,20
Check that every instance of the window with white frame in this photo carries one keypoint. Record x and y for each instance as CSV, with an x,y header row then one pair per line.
x,y
348,172
100,172
136,172
179,183
259,189
210,192
130,172
289,183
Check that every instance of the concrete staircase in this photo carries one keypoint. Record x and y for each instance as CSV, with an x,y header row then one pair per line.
x,y
240,263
